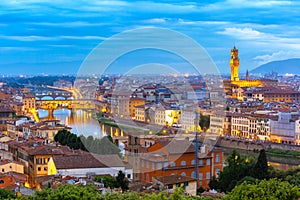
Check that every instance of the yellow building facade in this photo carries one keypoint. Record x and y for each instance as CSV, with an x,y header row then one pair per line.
x,y
11,166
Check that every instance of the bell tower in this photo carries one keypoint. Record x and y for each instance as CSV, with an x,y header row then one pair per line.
x,y
234,64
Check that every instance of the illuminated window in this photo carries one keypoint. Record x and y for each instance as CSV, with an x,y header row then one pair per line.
x,y
207,175
200,176
142,163
208,161
193,175
200,162
173,164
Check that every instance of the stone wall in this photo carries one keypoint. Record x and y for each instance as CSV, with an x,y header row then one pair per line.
x,y
248,145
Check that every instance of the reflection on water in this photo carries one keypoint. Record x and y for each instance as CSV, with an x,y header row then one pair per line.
x,y
278,162
81,122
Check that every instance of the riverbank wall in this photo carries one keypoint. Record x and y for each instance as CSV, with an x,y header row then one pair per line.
x,y
251,145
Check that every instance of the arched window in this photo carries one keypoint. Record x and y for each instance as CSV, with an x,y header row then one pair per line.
x,y
183,163
193,162
183,174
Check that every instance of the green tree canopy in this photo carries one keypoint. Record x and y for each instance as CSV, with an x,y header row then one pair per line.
x,y
260,170
66,192
237,168
6,194
108,181
98,146
272,189
204,122
122,181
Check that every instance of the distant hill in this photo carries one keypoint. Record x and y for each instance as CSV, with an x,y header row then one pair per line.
x,y
291,66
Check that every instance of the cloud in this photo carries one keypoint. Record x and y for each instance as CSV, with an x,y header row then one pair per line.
x,y
26,38
189,22
242,4
280,40
18,49
158,7
156,21
259,3
243,33
69,24
61,45
280,55
85,37
32,38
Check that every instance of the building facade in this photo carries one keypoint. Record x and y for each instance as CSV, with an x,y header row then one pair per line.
x,y
177,157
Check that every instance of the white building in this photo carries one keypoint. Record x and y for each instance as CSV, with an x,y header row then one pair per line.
x,y
283,129
86,164
240,126
188,119
263,129
220,123
297,131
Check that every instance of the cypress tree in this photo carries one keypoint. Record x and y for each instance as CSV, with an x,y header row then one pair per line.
x,y
260,170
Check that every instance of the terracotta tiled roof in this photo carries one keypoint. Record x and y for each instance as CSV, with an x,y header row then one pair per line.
x,y
178,146
110,160
86,161
173,179
4,162
45,150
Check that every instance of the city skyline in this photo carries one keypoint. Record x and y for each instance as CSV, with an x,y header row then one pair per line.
x,y
42,37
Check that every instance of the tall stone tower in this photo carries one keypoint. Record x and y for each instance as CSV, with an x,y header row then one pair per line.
x,y
234,64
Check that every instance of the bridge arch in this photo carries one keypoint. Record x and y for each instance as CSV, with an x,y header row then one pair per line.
x,y
60,98
42,113
48,97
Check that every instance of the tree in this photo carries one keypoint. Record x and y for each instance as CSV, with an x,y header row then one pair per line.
x,y
82,140
238,167
122,182
292,175
110,138
260,170
213,183
204,122
98,146
6,194
66,192
108,181
89,143
264,190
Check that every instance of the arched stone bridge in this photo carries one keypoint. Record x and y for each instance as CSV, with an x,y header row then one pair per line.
x,y
51,105
55,95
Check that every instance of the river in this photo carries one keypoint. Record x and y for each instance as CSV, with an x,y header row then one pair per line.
x,y
276,161
81,122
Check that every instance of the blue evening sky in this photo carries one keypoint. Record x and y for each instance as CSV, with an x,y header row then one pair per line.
x,y
55,36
